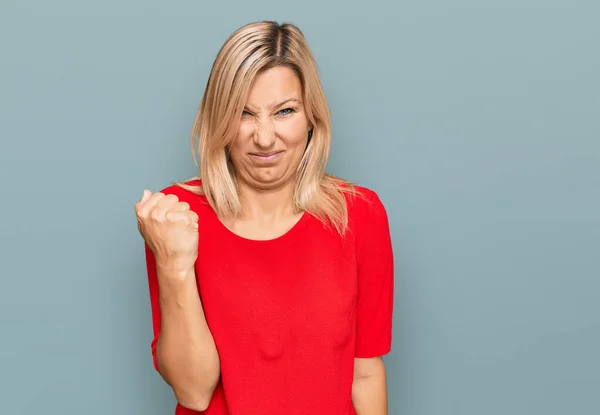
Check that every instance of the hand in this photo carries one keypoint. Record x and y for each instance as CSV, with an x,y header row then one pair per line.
x,y
169,228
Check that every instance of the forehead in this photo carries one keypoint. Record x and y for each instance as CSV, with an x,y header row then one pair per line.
x,y
273,86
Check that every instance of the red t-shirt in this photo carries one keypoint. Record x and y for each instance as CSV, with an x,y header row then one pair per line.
x,y
289,315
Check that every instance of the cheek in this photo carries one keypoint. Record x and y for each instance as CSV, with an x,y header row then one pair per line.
x,y
243,137
246,129
236,149
294,133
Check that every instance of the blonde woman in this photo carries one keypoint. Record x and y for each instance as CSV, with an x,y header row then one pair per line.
x,y
271,282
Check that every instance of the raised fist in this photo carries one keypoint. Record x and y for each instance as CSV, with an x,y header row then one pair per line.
x,y
169,228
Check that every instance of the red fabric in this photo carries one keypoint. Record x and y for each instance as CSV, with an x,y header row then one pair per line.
x,y
289,315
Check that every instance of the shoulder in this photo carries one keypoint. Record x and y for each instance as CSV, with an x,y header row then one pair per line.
x,y
368,220
364,204
189,191
367,216
359,199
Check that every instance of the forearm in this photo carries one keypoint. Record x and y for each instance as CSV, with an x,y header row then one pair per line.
x,y
186,353
369,395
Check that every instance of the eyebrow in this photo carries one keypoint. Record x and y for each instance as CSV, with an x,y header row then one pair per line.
x,y
296,100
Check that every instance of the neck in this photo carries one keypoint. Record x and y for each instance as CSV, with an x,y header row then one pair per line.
x,y
266,204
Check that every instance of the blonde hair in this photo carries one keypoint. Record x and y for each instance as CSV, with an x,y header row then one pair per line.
x,y
249,51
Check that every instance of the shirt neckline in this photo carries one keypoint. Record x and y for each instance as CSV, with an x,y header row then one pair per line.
x,y
287,234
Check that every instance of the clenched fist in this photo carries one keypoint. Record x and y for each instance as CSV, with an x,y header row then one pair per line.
x,y
169,228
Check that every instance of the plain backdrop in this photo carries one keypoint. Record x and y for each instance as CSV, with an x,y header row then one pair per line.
x,y
477,122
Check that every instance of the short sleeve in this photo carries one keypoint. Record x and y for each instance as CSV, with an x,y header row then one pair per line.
x,y
375,270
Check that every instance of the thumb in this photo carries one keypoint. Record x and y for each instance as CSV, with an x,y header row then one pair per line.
x,y
145,196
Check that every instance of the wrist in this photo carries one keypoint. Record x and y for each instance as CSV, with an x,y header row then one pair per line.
x,y
173,265
175,270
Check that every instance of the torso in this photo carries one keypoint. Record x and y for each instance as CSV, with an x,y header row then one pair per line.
x,y
282,314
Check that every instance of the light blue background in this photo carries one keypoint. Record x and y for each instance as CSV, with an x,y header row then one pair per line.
x,y
477,122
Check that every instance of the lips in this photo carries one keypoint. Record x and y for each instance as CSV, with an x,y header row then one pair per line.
x,y
266,156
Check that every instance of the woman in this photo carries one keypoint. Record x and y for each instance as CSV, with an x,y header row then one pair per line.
x,y
271,282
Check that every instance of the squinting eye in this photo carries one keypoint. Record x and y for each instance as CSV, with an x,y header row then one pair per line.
x,y
245,113
286,111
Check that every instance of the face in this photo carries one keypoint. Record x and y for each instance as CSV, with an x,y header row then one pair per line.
x,y
273,131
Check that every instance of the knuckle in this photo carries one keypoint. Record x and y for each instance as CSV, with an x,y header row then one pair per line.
x,y
156,215
173,217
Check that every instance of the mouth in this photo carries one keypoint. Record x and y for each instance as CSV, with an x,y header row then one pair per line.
x,y
270,156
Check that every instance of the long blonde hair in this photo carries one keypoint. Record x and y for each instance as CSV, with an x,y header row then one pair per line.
x,y
250,50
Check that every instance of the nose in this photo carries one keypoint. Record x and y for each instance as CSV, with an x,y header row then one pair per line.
x,y
264,134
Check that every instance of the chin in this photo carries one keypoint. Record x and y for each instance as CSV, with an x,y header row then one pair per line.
x,y
269,182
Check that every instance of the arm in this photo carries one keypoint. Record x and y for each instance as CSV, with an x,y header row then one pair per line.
x,y
374,308
369,388
183,348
